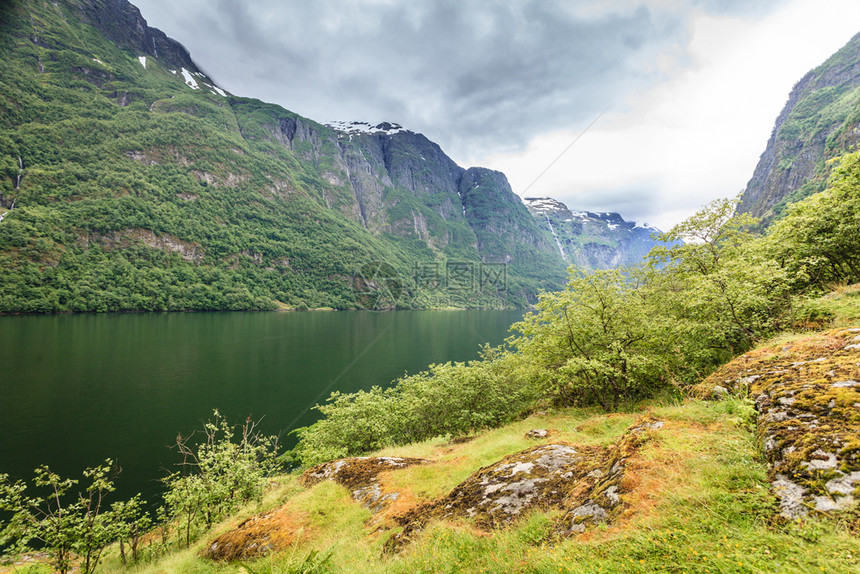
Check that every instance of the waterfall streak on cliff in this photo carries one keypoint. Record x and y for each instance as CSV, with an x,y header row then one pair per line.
x,y
554,234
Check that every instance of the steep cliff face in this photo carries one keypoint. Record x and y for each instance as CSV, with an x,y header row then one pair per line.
x,y
820,120
403,184
418,192
593,240
503,226
122,23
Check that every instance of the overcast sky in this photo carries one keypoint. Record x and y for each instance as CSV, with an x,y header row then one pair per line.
x,y
685,92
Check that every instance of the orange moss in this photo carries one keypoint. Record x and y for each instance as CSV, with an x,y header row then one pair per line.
x,y
259,535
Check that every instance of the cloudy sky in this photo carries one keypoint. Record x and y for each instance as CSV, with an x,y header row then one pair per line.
x,y
661,105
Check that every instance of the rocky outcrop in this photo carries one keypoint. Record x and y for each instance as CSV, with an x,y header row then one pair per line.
x,y
585,483
276,529
807,394
187,250
361,476
818,122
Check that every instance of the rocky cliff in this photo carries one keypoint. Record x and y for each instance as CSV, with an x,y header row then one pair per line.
x,y
820,120
122,23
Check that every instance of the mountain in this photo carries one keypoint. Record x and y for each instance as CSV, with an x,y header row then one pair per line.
x,y
820,121
593,240
130,181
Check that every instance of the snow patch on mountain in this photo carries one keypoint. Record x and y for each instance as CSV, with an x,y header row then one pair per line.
x,y
644,225
544,204
142,60
189,79
215,90
364,128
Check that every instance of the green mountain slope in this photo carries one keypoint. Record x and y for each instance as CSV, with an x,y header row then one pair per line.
x,y
819,122
130,181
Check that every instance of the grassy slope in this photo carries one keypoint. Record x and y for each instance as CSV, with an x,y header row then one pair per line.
x,y
700,503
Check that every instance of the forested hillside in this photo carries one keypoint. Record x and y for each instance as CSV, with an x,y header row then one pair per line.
x,y
130,181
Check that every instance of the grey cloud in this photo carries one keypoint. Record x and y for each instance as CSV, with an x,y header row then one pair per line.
x,y
471,75
639,203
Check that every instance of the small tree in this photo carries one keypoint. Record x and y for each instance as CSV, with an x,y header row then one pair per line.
x,y
594,342
62,525
131,522
720,283
219,473
96,528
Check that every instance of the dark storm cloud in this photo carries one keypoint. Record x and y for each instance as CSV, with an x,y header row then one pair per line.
x,y
471,75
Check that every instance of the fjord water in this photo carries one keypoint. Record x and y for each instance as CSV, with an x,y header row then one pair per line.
x,y
76,389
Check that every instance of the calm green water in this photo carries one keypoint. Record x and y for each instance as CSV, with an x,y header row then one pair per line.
x,y
77,389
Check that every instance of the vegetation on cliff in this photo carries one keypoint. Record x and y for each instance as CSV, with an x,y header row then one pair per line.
x,y
819,122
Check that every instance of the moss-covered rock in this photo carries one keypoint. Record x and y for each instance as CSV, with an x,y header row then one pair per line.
x,y
361,476
807,394
585,483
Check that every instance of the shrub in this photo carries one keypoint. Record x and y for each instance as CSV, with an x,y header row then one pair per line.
x,y
447,399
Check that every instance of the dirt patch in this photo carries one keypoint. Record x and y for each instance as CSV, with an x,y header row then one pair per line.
x,y
586,483
807,394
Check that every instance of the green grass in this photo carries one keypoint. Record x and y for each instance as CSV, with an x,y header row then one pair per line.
x,y
839,308
698,495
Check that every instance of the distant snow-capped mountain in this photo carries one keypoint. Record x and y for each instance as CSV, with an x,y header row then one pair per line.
x,y
593,240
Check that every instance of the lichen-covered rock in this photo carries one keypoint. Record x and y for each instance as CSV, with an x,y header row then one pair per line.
x,y
808,398
275,530
584,482
360,476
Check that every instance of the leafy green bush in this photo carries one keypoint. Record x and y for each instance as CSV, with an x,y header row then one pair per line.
x,y
447,399
817,241
588,343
